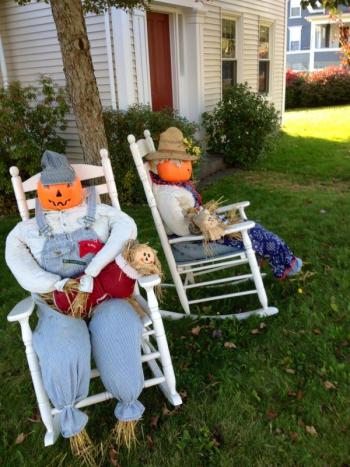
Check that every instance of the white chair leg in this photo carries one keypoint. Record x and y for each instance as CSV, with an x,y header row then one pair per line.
x,y
255,270
181,292
162,344
43,401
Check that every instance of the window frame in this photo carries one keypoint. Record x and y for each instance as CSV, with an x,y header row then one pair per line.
x,y
318,35
290,9
235,20
294,28
268,60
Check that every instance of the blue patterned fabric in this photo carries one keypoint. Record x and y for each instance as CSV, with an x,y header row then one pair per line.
x,y
265,244
64,346
116,332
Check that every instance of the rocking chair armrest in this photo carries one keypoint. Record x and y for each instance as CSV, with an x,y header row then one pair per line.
x,y
229,207
22,310
149,281
245,225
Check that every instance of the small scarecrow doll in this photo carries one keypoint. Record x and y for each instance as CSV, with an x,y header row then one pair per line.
x,y
183,213
42,253
116,280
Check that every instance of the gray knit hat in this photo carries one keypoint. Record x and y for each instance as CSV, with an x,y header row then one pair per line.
x,y
56,169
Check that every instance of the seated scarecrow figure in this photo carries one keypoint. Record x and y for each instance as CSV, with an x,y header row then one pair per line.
x,y
61,242
183,213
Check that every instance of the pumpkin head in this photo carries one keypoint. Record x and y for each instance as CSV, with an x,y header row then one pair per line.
x,y
61,196
175,171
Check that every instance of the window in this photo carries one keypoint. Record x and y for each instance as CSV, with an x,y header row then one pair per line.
x,y
294,37
322,36
264,58
295,9
228,53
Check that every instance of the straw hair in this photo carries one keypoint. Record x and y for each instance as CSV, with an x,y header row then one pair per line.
x,y
171,146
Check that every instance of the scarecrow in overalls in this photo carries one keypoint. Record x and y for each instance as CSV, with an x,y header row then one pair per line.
x,y
183,213
61,242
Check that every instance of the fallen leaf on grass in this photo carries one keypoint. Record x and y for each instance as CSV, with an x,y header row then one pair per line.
x,y
183,394
166,411
254,331
150,442
154,421
35,418
195,331
311,430
294,436
316,331
230,345
262,325
329,385
271,414
20,438
113,457
290,371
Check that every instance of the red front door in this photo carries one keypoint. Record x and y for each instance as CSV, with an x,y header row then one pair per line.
x,y
159,60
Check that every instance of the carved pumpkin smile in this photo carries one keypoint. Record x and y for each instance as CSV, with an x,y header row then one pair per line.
x,y
60,196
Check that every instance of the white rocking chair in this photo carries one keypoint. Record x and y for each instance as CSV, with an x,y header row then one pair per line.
x,y
184,273
154,342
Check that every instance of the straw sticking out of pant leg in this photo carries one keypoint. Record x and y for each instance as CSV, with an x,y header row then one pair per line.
x,y
125,433
82,447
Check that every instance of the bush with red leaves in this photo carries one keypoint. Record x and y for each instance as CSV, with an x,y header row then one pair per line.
x,y
329,86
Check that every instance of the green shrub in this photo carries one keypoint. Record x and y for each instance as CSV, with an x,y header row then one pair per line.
x,y
29,121
241,125
119,124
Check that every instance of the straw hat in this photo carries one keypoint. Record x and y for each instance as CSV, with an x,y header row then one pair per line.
x,y
171,146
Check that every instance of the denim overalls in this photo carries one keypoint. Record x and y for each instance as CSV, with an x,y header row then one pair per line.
x,y
63,344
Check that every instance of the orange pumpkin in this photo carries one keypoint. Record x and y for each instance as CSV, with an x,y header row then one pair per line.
x,y
60,196
171,172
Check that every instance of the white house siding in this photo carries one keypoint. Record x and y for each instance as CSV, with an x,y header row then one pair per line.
x,y
249,14
32,49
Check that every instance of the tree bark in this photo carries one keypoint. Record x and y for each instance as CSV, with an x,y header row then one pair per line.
x,y
81,81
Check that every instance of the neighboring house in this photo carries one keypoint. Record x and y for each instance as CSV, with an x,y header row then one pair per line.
x,y
180,53
313,37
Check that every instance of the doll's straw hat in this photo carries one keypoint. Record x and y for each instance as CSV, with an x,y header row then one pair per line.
x,y
171,146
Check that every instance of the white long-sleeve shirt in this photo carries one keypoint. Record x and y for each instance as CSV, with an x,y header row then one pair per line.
x,y
24,244
173,202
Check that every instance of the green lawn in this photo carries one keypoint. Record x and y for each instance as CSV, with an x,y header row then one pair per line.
x,y
281,397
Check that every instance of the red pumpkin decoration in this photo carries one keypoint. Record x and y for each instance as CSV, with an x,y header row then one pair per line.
x,y
60,196
172,172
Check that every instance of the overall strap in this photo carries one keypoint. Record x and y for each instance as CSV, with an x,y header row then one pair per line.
x,y
89,219
44,228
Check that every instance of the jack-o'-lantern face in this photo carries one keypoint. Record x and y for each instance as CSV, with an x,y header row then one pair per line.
x,y
60,196
174,171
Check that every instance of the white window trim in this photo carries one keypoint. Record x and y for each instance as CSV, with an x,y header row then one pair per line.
x,y
290,41
237,18
234,19
271,59
290,10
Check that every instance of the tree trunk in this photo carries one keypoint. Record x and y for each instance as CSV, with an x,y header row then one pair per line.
x,y
81,81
